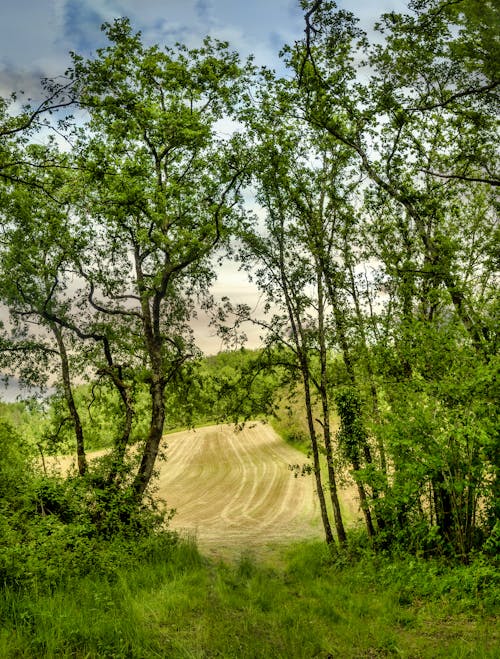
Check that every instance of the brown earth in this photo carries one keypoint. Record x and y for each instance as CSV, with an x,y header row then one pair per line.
x,y
233,490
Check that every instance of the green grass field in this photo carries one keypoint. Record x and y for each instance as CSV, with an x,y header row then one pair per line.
x,y
175,603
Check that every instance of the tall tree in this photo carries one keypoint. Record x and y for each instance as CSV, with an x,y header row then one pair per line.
x,y
408,123
39,247
114,261
296,187
418,114
161,192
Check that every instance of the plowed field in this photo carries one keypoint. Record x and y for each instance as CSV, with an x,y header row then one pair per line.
x,y
233,490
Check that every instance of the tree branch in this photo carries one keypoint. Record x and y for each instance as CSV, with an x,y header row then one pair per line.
x,y
462,177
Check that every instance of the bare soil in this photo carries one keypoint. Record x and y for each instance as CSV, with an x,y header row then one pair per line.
x,y
233,490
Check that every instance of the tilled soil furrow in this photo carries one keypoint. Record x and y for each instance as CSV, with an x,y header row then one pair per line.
x,y
234,490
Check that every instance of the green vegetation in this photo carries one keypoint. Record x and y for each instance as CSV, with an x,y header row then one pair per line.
x,y
76,583
376,256
171,602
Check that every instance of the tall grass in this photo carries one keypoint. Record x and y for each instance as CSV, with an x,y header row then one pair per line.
x,y
178,604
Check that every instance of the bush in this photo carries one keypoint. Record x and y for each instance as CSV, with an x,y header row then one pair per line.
x,y
54,529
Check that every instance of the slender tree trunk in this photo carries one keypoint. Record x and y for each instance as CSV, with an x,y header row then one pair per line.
x,y
301,350
121,441
315,451
349,364
368,363
337,513
443,505
68,394
363,499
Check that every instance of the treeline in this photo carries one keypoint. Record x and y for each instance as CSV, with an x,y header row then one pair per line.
x,y
374,165
232,386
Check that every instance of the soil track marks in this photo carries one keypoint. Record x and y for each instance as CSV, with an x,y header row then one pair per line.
x,y
234,491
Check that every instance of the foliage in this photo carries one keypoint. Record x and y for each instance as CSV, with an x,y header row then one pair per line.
x,y
351,434
53,529
376,253
166,599
109,250
396,275
15,465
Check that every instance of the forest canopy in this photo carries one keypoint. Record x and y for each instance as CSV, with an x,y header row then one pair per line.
x,y
376,251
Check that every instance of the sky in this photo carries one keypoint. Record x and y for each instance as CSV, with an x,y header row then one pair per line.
x,y
36,37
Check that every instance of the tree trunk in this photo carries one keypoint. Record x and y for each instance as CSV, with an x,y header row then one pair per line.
x,y
337,513
121,442
317,467
443,506
150,453
363,500
368,364
151,325
68,394
349,364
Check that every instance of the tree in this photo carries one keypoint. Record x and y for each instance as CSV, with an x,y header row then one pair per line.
x,y
296,188
398,134
40,246
421,129
16,129
162,193
154,192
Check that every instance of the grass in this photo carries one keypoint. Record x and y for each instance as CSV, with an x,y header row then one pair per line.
x,y
181,605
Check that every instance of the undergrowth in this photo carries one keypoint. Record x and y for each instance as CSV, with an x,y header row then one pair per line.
x,y
93,576
166,600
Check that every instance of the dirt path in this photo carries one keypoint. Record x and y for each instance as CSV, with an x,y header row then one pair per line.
x,y
234,491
